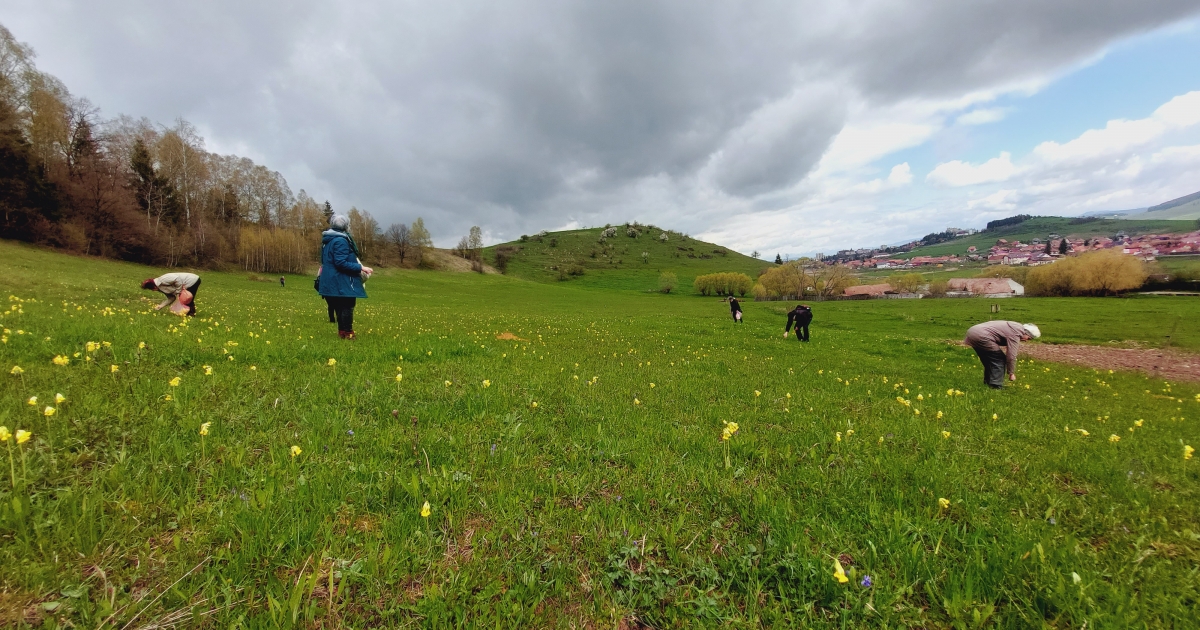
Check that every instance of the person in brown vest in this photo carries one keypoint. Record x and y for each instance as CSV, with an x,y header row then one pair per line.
x,y
988,338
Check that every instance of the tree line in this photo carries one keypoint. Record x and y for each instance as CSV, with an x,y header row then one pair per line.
x,y
134,190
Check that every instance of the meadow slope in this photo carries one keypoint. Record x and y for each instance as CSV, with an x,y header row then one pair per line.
x,y
575,471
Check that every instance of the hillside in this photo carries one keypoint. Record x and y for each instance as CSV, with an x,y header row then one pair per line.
x,y
1041,227
1183,208
579,257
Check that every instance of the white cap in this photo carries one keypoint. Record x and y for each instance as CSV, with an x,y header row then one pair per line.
x,y
1033,330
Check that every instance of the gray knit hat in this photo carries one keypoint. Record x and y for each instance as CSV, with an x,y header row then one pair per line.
x,y
339,222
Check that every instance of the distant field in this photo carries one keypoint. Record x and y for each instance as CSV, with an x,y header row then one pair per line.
x,y
1041,227
574,471
618,264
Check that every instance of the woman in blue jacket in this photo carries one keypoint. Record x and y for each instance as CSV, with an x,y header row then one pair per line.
x,y
342,275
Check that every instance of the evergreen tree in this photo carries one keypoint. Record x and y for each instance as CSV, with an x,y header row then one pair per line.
x,y
1048,244
1063,248
778,260
327,211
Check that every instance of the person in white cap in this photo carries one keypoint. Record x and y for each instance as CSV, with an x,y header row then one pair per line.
x,y
988,338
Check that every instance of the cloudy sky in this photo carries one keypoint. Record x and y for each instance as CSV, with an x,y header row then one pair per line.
x,y
793,126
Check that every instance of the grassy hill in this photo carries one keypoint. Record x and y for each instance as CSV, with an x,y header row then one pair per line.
x,y
579,257
1041,227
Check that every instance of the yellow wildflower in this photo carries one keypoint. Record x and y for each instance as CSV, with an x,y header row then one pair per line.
x,y
939,415
945,435
943,503
995,417
533,404
59,399
114,369
204,428
636,401
425,510
1187,451
1083,432
32,402
60,359
838,436
331,362
486,383
1138,423
757,393
651,385
141,345
399,377
23,436
849,432
4,434
208,370
1114,438
920,397
16,370
839,573
295,450
175,382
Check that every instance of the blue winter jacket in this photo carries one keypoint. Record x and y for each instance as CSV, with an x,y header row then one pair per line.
x,y
341,273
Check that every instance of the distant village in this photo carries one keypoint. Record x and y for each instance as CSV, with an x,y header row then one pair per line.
x,y
1036,252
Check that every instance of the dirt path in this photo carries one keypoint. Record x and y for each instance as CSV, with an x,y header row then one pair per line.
x,y
1172,365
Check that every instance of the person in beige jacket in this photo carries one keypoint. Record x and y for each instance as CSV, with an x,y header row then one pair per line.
x,y
171,285
988,338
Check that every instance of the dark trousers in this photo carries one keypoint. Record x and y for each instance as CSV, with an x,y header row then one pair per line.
x,y
343,308
994,365
801,332
332,311
193,289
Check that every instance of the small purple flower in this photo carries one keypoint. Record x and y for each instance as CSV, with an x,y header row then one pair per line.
x,y
350,432
866,581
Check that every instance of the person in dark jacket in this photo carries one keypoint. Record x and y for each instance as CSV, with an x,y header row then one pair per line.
x,y
341,277
801,316
735,309
988,338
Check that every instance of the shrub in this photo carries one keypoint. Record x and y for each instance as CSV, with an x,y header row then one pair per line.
x,y
724,283
632,232
608,232
905,282
667,282
1103,272
554,242
502,255
938,288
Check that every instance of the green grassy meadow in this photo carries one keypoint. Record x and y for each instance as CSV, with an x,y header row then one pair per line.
x,y
576,476
1041,227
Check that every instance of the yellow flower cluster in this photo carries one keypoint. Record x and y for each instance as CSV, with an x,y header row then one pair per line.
x,y
16,370
204,428
175,382
60,359
22,435
731,428
295,450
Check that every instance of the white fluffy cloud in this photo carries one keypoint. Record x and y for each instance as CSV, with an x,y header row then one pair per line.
x,y
959,173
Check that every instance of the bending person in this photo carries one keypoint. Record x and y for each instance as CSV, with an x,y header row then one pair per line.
x,y
341,280
172,285
802,317
988,338
735,309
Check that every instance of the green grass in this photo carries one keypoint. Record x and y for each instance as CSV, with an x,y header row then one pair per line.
x,y
1041,227
610,499
618,263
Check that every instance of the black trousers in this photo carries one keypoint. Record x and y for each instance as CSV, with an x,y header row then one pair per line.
x,y
332,311
193,289
801,332
994,365
343,308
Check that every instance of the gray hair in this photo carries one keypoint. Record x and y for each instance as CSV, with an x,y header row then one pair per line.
x,y
339,222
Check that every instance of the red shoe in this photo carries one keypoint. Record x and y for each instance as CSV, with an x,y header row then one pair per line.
x,y
346,334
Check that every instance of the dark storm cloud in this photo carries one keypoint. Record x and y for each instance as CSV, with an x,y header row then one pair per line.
x,y
520,115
